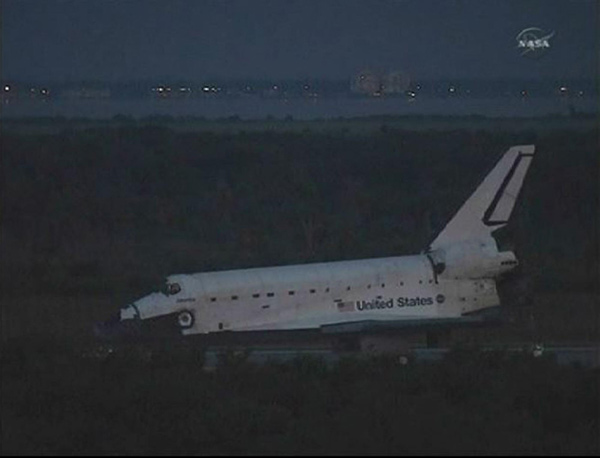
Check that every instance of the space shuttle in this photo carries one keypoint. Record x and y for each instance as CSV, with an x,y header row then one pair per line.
x,y
452,281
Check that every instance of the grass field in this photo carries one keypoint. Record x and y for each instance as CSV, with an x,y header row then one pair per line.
x,y
337,126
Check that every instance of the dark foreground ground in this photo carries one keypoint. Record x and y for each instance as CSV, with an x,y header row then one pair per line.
x,y
95,216
471,403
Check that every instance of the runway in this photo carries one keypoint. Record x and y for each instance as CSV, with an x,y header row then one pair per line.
x,y
583,356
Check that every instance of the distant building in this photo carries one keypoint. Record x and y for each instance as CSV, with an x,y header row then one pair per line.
x,y
367,82
375,83
86,93
395,83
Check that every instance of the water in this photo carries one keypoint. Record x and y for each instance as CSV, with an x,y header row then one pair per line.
x,y
298,108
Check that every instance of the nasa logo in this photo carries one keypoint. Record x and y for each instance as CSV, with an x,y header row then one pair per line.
x,y
440,298
533,42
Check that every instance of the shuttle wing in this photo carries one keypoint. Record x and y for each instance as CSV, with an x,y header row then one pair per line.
x,y
411,324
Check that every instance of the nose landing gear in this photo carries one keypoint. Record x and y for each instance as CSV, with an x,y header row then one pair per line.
x,y
185,319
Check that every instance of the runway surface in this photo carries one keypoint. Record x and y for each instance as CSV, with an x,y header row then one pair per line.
x,y
584,356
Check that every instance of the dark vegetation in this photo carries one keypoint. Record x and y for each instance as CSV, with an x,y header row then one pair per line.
x,y
366,125
94,218
471,403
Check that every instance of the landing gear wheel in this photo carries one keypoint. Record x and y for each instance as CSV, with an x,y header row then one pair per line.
x,y
403,360
185,319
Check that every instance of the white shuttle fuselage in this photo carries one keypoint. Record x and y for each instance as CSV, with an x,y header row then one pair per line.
x,y
453,279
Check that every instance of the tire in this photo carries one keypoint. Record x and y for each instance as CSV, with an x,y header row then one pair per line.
x,y
403,360
185,319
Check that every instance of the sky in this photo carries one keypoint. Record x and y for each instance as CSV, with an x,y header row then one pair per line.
x,y
121,40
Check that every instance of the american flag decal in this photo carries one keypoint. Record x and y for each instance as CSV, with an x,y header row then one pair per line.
x,y
345,306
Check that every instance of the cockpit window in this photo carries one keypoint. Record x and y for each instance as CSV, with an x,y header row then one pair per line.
x,y
174,288
170,288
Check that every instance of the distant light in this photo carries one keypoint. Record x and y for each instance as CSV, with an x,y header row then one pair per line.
x,y
452,89
275,87
580,93
524,93
206,89
160,89
44,91
6,88
563,89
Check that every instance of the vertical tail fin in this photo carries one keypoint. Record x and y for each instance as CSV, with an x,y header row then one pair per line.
x,y
490,206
